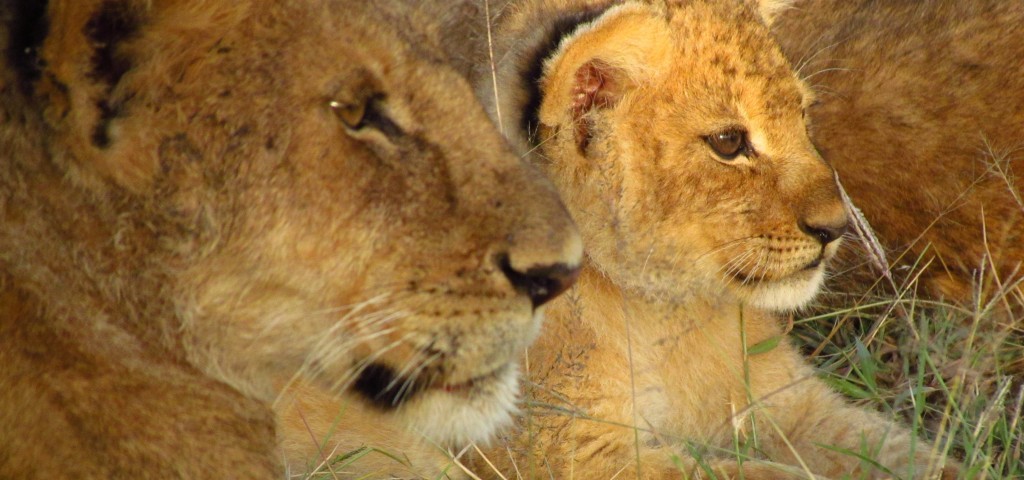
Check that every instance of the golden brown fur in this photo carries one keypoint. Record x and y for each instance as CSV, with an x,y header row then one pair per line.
x,y
665,359
325,434
203,202
919,104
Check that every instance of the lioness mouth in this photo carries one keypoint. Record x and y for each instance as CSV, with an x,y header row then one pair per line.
x,y
384,388
469,384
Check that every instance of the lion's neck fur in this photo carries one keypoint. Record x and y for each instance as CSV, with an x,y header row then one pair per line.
x,y
75,333
615,303
56,241
662,341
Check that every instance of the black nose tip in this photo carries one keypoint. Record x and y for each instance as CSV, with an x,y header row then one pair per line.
x,y
541,283
825,233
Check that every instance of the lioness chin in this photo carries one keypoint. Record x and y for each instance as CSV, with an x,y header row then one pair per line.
x,y
202,203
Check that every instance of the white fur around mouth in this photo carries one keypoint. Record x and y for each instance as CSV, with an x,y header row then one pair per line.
x,y
473,411
790,293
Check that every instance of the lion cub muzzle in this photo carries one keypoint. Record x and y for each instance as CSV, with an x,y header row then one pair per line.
x,y
823,215
825,233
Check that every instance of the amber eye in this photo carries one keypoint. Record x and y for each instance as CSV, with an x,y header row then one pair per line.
x,y
370,112
728,144
351,114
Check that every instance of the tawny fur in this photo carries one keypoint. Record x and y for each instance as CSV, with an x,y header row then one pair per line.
x,y
188,229
661,356
919,110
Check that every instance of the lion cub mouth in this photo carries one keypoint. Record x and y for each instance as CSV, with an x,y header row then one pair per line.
x,y
784,291
810,267
386,389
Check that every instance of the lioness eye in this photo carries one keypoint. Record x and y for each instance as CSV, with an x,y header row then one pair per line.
x,y
351,114
728,144
367,113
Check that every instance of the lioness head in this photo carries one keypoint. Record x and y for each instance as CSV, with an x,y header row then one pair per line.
x,y
679,142
284,189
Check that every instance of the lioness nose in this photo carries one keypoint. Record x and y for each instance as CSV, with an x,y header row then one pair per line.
x,y
541,282
824,232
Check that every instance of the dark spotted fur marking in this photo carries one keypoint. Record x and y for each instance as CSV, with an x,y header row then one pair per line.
x,y
100,137
27,26
564,26
115,22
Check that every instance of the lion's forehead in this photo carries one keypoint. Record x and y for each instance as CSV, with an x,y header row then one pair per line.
x,y
733,54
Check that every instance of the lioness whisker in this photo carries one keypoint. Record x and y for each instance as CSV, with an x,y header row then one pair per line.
x,y
325,350
345,381
306,368
809,58
415,362
409,380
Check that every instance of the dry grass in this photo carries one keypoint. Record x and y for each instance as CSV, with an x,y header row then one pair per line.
x,y
952,373
949,372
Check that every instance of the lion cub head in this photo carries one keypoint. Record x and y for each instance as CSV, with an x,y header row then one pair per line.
x,y
278,190
677,136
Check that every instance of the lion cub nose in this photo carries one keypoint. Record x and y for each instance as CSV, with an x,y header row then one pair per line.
x,y
825,233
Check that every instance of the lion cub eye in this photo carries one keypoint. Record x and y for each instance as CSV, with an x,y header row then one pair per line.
x,y
728,144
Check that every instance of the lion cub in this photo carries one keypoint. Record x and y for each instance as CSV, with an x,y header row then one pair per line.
x,y
676,134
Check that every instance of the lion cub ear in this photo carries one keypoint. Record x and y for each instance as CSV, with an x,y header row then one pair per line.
x,y
771,9
598,65
597,85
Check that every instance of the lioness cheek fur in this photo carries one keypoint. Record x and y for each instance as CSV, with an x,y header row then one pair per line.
x,y
214,215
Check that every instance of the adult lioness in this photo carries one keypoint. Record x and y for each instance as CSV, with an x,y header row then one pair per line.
x,y
200,199
929,97
676,134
